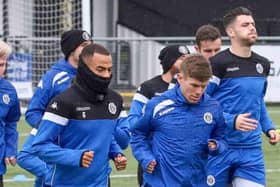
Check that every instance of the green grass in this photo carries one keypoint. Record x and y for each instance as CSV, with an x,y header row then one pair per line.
x,y
122,179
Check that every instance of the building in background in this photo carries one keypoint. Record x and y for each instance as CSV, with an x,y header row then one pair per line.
x,y
33,27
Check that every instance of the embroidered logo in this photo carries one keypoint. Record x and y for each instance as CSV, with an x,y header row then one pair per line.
x,y
232,69
157,94
54,105
6,99
211,180
112,108
259,68
208,118
83,108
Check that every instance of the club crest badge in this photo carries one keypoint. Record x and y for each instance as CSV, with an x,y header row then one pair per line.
x,y
6,99
208,117
259,68
112,108
211,180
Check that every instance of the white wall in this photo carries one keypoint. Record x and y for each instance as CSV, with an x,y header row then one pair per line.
x,y
272,52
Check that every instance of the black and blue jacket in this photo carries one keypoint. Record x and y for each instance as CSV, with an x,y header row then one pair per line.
x,y
72,125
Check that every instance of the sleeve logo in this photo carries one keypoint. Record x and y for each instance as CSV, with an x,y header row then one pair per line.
x,y
112,108
6,99
259,68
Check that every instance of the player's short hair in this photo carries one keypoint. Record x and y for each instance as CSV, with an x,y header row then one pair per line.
x,y
5,49
233,13
196,66
207,32
91,49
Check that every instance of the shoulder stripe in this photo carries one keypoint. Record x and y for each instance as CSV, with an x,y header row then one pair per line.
x,y
171,85
123,114
162,105
58,76
215,80
141,98
63,80
55,118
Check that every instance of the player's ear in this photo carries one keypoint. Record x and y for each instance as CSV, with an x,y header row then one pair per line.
x,y
230,31
180,77
196,48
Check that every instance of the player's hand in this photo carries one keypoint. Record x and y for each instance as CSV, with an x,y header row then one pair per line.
x,y
212,145
151,166
87,158
120,162
244,123
11,160
273,137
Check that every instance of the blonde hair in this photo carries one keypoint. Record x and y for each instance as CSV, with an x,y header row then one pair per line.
x,y
5,49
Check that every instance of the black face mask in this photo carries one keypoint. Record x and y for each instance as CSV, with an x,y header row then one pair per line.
x,y
93,87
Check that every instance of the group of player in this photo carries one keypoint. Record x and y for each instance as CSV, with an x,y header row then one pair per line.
x,y
197,124
170,142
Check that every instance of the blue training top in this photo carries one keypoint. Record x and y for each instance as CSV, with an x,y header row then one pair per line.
x,y
180,133
9,116
239,84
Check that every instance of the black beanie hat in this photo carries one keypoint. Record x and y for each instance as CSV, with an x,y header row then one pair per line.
x,y
71,39
170,54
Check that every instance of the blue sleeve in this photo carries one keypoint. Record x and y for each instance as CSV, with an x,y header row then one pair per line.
x,y
230,120
218,134
265,120
11,139
122,134
115,149
11,134
135,112
46,148
39,102
28,161
140,141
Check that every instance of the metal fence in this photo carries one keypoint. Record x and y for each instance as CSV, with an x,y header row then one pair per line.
x,y
134,59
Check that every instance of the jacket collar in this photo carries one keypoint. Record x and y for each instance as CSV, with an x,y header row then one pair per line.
x,y
181,98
